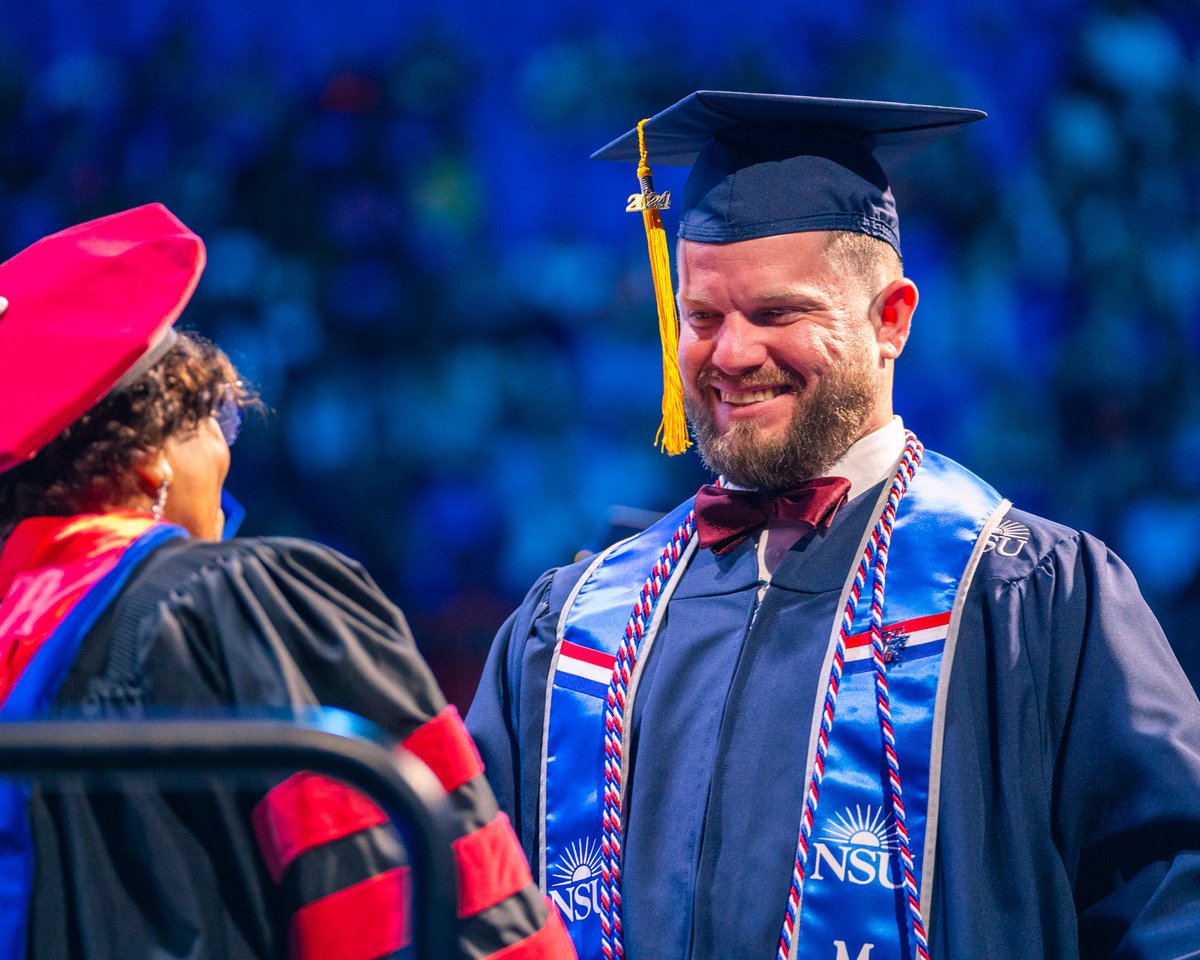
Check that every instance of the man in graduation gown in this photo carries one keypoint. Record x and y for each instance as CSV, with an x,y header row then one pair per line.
x,y
118,598
849,702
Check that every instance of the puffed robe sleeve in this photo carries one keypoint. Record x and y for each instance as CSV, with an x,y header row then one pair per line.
x,y
1079,795
289,623
1125,781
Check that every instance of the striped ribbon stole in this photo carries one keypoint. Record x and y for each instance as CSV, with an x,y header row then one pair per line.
x,y
589,696
864,864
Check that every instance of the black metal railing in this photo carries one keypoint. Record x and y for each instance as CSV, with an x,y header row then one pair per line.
x,y
327,742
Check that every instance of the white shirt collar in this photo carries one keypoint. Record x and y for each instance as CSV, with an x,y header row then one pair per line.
x,y
870,459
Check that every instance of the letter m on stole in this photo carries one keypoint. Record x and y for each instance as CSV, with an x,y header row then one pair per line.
x,y
844,954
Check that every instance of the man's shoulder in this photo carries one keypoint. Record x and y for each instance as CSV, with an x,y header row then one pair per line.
x,y
1022,543
553,589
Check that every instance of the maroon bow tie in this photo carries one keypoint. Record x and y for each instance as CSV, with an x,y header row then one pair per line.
x,y
724,517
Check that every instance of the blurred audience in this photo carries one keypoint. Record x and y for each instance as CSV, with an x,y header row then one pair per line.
x,y
398,262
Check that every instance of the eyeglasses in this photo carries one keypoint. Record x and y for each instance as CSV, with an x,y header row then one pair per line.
x,y
228,412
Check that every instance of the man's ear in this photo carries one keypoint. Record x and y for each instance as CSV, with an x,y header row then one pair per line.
x,y
152,470
897,303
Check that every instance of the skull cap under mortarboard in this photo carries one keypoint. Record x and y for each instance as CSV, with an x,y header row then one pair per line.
x,y
86,306
765,164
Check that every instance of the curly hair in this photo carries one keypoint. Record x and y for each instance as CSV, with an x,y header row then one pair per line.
x,y
88,468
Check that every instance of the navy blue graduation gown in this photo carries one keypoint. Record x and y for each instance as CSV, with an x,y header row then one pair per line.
x,y
1070,810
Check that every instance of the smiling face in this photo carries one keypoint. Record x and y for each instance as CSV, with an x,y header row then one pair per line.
x,y
785,354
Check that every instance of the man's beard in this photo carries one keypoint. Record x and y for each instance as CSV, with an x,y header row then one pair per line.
x,y
821,429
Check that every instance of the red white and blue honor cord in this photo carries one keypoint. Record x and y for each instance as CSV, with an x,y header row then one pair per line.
x,y
874,558
611,933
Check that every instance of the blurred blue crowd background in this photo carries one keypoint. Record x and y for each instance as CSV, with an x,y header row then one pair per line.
x,y
449,315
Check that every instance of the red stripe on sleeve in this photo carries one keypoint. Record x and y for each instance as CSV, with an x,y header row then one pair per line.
x,y
552,942
491,866
362,922
446,748
305,811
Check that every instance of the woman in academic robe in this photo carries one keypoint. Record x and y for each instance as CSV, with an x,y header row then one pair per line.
x,y
118,598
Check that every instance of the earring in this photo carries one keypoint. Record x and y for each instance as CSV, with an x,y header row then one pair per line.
x,y
160,499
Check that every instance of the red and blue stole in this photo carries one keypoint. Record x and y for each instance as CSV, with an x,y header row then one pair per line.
x,y
849,900
57,576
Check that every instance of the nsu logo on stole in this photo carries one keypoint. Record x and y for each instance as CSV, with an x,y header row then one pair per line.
x,y
856,847
575,881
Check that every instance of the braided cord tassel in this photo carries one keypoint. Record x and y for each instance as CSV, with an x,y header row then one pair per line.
x,y
912,458
880,534
611,929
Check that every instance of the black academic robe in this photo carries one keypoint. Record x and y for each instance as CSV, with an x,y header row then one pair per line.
x,y
1070,787
170,873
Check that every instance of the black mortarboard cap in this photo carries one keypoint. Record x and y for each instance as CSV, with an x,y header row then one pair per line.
x,y
765,164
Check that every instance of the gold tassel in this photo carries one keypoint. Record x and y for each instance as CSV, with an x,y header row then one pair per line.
x,y
672,434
